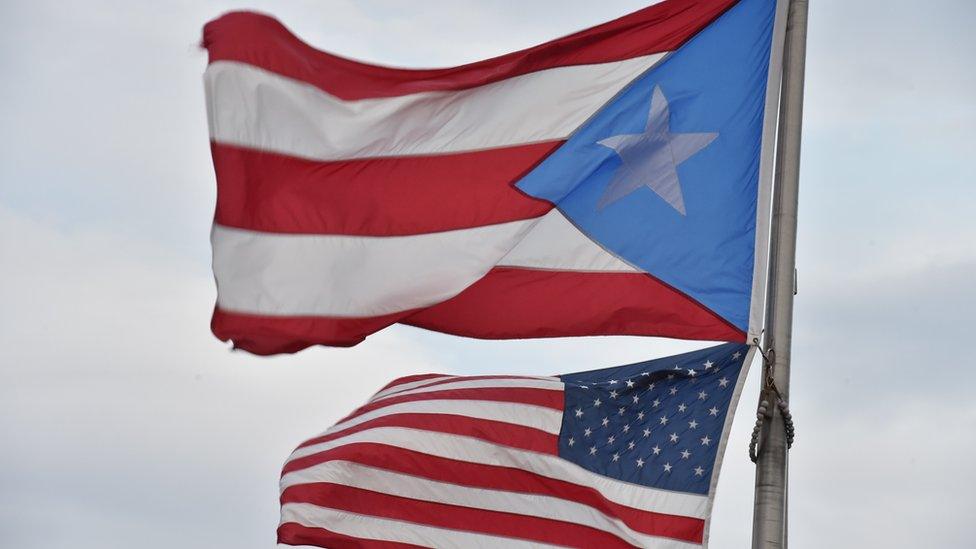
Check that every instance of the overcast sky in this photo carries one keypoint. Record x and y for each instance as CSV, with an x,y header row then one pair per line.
x,y
124,423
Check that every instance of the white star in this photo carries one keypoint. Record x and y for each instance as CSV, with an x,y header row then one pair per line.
x,y
682,407
723,382
630,445
705,440
667,467
656,449
613,382
647,433
673,391
587,432
605,421
640,416
645,374
579,412
597,403
571,441
613,394
699,471
676,367
664,420
685,454
691,372
592,450
640,462
626,428
674,437
650,387
656,403
713,411
636,399
630,384
708,364
651,158
736,355
692,424
616,457
702,395
621,410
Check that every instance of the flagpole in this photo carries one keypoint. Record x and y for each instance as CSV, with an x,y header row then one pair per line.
x,y
769,530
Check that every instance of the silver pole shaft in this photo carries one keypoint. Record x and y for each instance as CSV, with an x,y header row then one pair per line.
x,y
770,511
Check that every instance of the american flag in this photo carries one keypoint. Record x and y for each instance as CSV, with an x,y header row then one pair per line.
x,y
619,457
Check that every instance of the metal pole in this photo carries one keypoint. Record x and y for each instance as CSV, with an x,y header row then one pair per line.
x,y
770,510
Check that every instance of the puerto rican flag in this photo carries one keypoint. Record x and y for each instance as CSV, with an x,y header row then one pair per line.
x,y
614,181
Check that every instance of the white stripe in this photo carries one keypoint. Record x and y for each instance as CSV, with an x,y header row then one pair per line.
x,y
355,475
555,243
464,383
478,451
369,527
352,276
403,387
527,415
437,384
259,109
398,387
363,276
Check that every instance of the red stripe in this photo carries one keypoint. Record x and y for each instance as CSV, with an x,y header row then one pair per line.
x,y
292,533
442,515
270,192
496,432
507,303
269,335
264,42
548,398
454,379
509,479
412,379
521,303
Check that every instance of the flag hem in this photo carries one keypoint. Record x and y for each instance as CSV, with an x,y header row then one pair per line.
x,y
724,442
757,307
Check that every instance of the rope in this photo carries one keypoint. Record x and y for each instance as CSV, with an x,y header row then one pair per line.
x,y
763,411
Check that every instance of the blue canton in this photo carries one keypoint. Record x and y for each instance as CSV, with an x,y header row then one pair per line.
x,y
657,423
